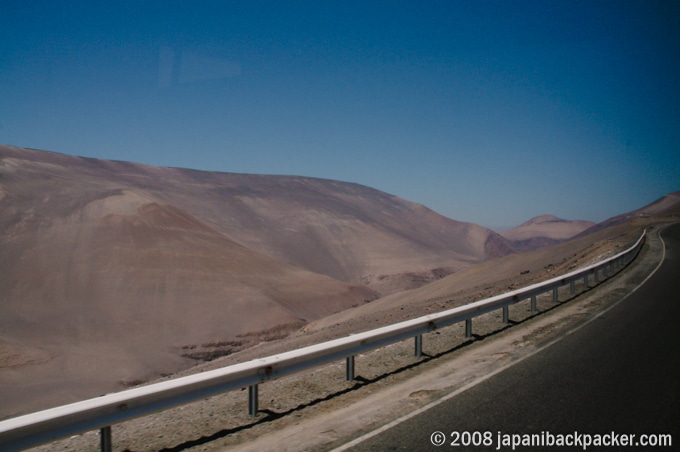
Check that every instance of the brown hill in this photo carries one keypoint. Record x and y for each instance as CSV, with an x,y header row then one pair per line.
x,y
543,231
668,206
509,272
113,271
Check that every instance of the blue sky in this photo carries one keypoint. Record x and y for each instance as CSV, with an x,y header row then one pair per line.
x,y
485,111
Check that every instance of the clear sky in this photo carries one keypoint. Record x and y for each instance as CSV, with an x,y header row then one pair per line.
x,y
485,111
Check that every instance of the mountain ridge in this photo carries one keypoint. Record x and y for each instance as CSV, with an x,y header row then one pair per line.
x,y
667,205
131,266
115,272
244,206
544,230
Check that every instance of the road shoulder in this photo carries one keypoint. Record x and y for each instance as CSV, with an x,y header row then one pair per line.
x,y
337,427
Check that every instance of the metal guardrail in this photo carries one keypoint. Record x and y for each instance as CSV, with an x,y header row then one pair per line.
x,y
100,413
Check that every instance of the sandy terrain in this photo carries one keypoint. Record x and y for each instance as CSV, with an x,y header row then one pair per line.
x,y
318,410
113,273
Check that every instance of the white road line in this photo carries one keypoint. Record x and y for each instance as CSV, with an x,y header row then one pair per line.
x,y
499,370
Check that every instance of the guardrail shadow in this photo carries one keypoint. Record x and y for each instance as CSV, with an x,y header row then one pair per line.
x,y
48,425
267,415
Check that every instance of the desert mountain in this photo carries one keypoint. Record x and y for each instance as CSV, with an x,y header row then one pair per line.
x,y
115,270
544,230
666,206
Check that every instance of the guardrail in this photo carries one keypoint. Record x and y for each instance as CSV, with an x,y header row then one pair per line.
x,y
100,413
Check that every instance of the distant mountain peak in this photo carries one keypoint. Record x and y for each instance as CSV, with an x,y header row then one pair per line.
x,y
544,230
548,218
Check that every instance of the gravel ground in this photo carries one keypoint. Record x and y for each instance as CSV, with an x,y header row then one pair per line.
x,y
222,422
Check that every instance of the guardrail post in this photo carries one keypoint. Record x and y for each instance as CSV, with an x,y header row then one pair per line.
x,y
253,400
349,368
91,414
572,287
554,295
468,327
419,345
506,314
105,439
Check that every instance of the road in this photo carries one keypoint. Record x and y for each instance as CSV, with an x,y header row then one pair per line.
x,y
618,373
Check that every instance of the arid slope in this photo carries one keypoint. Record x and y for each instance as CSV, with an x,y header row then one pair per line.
x,y
666,206
111,272
544,230
346,231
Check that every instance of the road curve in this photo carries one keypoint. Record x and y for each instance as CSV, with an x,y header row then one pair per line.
x,y
619,373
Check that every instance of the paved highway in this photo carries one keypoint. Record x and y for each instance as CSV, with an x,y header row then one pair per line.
x,y
619,373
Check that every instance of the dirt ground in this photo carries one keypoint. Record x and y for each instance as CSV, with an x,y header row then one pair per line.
x,y
320,410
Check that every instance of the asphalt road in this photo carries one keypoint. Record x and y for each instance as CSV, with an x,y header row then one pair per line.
x,y
617,374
